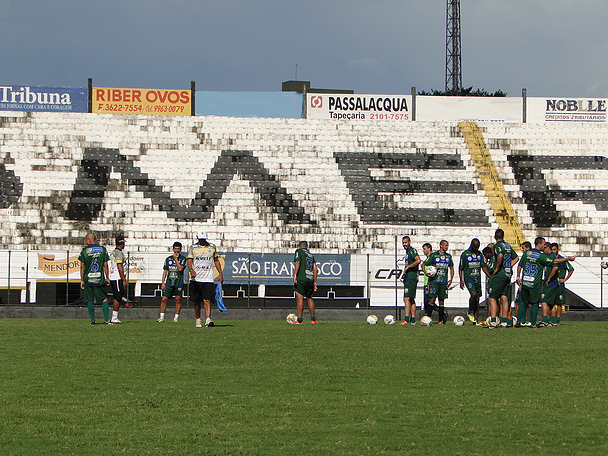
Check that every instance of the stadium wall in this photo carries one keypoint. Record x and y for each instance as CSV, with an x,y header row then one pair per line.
x,y
260,185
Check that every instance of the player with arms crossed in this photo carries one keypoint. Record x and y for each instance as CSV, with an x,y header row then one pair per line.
x,y
469,269
410,280
202,257
532,263
304,281
94,276
173,281
500,286
439,284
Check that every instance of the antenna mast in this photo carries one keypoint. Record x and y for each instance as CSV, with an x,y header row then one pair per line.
x,y
453,66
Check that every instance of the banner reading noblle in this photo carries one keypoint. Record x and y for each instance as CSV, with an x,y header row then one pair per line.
x,y
39,98
336,106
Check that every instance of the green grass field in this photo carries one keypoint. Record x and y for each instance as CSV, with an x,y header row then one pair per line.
x,y
266,387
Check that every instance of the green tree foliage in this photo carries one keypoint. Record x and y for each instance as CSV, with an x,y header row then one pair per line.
x,y
464,93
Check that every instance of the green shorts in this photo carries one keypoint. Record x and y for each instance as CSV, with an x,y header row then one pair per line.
x,y
561,294
169,292
305,288
473,286
438,290
409,289
95,294
530,295
550,295
499,287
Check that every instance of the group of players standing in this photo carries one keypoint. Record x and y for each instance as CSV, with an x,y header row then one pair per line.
x,y
541,276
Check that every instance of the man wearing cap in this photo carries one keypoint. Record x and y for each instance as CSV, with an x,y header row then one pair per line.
x,y
118,281
202,257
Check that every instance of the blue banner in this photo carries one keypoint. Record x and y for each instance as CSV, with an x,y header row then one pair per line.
x,y
249,104
38,98
278,268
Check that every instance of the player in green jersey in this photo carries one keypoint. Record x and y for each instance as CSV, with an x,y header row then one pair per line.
x,y
520,307
439,283
488,256
564,273
304,281
529,275
470,267
173,281
94,276
427,249
550,286
500,287
410,280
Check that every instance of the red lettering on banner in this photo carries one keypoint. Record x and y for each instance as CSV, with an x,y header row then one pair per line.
x,y
99,95
151,99
176,97
137,96
116,95
185,96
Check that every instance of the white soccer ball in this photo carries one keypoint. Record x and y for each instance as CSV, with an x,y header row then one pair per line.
x,y
291,318
372,320
431,271
426,321
459,320
389,320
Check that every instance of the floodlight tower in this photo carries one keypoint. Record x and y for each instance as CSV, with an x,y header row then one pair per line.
x,y
453,68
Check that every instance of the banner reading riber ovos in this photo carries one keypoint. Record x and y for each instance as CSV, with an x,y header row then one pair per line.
x,y
142,101
351,107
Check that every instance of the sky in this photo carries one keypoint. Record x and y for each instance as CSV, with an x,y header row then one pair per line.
x,y
553,48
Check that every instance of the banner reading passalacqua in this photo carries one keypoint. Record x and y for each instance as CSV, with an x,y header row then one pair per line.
x,y
391,108
38,98
142,101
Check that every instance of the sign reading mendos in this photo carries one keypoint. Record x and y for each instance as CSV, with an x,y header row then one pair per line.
x,y
37,98
339,106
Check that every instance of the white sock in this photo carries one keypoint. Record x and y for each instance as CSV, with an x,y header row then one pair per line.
x,y
162,315
176,317
115,315
207,320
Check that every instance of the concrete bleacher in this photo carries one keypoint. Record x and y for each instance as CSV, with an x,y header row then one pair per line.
x,y
556,176
254,184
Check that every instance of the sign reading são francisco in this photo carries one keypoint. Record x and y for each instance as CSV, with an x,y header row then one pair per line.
x,y
30,99
391,108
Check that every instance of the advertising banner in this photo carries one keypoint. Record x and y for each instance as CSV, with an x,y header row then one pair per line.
x,y
38,98
278,268
483,109
142,101
591,110
284,105
338,106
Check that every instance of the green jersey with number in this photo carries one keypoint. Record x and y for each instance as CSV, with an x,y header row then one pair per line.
x,y
412,273
442,261
508,254
94,257
532,263
306,272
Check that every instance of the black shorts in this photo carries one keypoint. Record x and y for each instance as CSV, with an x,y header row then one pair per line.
x,y
118,291
201,291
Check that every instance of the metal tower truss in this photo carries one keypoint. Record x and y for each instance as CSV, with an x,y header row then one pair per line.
x,y
453,67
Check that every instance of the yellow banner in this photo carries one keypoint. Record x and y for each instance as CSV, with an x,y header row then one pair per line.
x,y
48,265
142,101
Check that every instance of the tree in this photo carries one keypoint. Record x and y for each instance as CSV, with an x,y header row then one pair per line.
x,y
465,93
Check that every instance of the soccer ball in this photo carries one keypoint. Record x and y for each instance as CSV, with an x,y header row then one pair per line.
x,y
604,264
426,321
459,320
431,271
291,318
389,320
372,320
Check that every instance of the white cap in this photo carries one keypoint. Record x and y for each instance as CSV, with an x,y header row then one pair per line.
x,y
201,234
